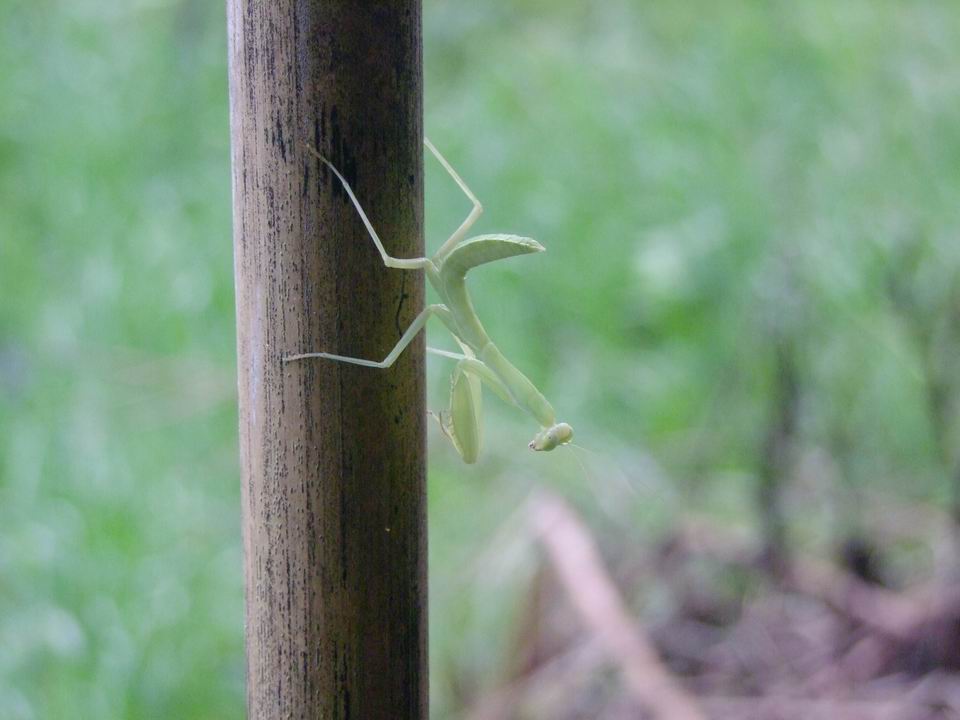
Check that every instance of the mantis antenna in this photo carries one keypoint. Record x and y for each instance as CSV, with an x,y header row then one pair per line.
x,y
480,361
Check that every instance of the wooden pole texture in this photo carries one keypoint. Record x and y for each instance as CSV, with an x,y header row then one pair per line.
x,y
332,454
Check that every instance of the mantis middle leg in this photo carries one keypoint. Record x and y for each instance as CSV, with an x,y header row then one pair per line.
x,y
416,326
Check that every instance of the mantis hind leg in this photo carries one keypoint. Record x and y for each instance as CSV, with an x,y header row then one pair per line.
x,y
477,210
410,263
388,260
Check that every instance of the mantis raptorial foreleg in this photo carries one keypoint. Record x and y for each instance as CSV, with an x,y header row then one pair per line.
x,y
471,364
481,361
461,423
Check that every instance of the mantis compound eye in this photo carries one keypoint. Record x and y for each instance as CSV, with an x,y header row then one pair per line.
x,y
551,437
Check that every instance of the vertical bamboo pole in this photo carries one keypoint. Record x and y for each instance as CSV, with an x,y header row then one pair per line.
x,y
332,455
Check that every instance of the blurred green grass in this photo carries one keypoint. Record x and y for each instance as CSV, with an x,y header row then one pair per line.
x,y
706,177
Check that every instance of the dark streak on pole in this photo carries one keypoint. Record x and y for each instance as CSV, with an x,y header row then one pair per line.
x,y
332,455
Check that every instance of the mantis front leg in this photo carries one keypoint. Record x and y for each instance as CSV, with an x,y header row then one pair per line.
x,y
461,423
471,364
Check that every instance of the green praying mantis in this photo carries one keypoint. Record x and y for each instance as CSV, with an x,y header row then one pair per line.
x,y
480,361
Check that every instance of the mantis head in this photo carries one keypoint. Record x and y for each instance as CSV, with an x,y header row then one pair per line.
x,y
551,437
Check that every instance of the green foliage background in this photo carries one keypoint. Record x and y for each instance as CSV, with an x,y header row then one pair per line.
x,y
709,178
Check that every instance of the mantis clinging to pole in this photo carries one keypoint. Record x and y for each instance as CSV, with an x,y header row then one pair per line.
x,y
480,361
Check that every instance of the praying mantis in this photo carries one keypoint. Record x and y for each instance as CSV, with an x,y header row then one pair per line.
x,y
480,362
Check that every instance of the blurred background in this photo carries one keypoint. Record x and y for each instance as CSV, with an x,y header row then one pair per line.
x,y
749,310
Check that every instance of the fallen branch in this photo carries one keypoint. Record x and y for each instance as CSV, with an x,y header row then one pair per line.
x,y
578,565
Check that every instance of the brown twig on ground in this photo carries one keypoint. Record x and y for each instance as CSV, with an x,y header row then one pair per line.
x,y
560,672
578,564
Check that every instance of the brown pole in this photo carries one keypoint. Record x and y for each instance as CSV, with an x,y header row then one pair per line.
x,y
332,455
